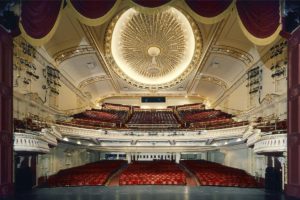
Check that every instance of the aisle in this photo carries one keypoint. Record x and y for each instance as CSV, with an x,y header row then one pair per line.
x,y
114,179
191,180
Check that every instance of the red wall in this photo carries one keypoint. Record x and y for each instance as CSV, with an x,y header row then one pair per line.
x,y
6,133
293,186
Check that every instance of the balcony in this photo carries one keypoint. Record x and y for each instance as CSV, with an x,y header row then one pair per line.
x,y
30,143
271,143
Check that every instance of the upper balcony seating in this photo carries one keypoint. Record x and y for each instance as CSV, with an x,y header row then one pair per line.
x,y
186,116
274,127
153,173
157,118
207,119
194,106
214,174
89,174
99,118
29,124
111,106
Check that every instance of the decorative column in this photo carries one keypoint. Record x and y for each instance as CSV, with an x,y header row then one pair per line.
x,y
177,157
293,185
282,161
6,112
128,155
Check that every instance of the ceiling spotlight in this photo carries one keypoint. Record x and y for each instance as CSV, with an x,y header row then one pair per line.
x,y
78,142
65,139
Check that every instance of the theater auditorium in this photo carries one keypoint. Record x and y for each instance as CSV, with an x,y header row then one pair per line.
x,y
149,99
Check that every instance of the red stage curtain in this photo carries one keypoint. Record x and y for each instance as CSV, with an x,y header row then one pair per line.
x,y
208,8
38,17
151,3
261,19
93,9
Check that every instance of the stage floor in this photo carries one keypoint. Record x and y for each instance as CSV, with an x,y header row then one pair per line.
x,y
148,193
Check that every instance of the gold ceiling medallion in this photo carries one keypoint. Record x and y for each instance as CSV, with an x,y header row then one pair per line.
x,y
155,50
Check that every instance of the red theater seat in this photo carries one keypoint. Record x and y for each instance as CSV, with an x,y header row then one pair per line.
x,y
153,173
89,174
214,174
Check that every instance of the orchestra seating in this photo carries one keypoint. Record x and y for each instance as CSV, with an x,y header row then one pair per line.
x,y
153,173
214,174
89,174
153,119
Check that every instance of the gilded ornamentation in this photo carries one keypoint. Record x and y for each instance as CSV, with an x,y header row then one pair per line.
x,y
214,80
153,50
233,52
61,56
92,80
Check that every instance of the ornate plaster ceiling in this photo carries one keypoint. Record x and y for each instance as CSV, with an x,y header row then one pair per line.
x,y
153,50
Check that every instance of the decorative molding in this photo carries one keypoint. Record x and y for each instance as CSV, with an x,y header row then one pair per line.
x,y
92,80
68,53
206,51
271,143
263,59
269,101
230,90
92,38
241,55
213,79
30,143
139,84
121,135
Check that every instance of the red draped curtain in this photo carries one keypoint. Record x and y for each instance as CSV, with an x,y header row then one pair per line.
x,y
93,12
208,8
151,3
261,19
93,9
39,18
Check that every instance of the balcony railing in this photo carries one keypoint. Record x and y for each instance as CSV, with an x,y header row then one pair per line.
x,y
271,143
30,143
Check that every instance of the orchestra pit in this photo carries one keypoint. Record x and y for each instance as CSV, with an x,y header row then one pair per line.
x,y
149,99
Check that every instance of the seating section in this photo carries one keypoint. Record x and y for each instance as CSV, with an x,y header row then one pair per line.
x,y
274,127
153,173
89,174
148,118
99,118
214,174
29,124
185,116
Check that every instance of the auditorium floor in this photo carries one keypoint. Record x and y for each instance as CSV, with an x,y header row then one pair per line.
x,y
148,193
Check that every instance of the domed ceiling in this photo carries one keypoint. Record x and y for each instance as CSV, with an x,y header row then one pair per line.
x,y
153,49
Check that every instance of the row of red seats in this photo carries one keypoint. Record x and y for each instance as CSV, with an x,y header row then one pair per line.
x,y
214,174
153,117
89,174
153,173
272,127
218,121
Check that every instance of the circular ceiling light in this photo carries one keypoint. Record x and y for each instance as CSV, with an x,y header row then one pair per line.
x,y
153,50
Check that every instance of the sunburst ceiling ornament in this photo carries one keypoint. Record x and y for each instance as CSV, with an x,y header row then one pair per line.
x,y
153,50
